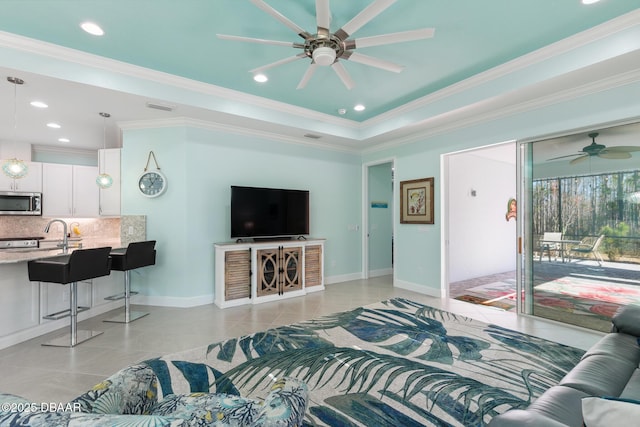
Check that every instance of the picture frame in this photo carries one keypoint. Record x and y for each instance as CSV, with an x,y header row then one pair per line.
x,y
416,201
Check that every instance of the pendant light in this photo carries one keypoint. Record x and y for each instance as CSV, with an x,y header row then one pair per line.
x,y
15,168
103,180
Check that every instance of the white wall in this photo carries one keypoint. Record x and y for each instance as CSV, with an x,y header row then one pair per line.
x,y
481,240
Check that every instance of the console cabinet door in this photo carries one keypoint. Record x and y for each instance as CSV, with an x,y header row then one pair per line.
x,y
290,269
312,266
237,274
268,276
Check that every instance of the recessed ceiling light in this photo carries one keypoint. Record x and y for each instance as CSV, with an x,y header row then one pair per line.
x,y
590,1
359,107
54,125
342,111
92,28
260,78
39,104
64,140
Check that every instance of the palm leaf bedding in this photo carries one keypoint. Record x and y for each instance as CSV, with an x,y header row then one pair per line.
x,y
392,363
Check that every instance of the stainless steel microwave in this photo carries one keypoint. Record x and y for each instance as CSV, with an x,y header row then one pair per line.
x,y
16,203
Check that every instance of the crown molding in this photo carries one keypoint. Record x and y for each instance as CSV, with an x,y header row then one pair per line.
x,y
602,31
237,130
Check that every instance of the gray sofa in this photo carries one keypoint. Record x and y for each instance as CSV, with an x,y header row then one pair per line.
x,y
610,368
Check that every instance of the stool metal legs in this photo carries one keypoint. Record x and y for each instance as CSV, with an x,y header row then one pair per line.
x,y
128,315
74,337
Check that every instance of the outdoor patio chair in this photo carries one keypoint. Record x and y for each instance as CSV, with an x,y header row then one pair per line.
x,y
547,244
588,245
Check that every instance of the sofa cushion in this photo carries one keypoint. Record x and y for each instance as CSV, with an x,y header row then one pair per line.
x,y
132,390
632,389
619,345
601,412
625,320
558,406
600,375
207,409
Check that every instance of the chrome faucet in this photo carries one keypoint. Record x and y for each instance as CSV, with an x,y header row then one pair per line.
x,y
65,241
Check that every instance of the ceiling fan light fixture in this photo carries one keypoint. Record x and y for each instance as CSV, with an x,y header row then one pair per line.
x,y
324,56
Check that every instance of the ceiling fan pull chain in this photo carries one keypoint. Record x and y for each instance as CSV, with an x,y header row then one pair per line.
x,y
151,154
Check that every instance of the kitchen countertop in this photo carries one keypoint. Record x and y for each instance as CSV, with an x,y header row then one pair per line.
x,y
9,256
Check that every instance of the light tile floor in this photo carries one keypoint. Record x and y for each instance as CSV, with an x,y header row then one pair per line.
x,y
53,374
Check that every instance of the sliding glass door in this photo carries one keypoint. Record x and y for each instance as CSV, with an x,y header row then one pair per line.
x,y
579,225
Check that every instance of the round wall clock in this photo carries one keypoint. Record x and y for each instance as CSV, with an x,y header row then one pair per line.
x,y
152,183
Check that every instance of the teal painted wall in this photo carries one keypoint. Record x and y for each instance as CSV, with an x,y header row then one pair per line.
x,y
193,214
418,248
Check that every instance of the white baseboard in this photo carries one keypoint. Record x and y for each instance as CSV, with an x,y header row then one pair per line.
x,y
180,302
421,289
343,278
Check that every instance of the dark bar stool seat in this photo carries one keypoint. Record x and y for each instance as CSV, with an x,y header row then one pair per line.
x,y
81,264
135,255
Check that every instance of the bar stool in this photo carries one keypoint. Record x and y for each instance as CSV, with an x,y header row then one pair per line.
x,y
135,255
81,264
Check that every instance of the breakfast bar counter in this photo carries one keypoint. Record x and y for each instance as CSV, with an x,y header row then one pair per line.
x,y
24,303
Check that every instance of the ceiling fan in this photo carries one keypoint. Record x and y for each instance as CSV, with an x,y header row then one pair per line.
x,y
594,149
326,48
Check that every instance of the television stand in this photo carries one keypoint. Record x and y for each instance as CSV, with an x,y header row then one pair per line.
x,y
267,270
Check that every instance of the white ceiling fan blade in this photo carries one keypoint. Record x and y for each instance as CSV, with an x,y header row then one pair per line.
x,y
623,148
280,62
607,154
280,17
404,36
323,15
343,74
366,15
254,40
371,61
579,159
307,76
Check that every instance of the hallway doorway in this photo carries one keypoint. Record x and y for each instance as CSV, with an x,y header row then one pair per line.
x,y
379,223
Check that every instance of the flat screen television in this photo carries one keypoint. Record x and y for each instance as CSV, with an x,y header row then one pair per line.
x,y
268,212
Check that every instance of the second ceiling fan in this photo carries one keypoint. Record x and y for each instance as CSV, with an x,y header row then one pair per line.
x,y
600,150
326,48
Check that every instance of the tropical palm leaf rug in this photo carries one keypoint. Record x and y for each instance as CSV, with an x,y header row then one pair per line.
x,y
393,363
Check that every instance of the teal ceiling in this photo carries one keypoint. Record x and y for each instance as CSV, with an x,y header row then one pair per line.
x,y
179,38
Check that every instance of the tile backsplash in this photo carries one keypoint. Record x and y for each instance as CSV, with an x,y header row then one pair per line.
x,y
90,228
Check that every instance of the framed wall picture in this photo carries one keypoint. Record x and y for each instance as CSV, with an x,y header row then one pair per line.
x,y
416,201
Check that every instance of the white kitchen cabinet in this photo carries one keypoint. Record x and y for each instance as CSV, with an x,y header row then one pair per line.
x,y
31,183
69,191
109,161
